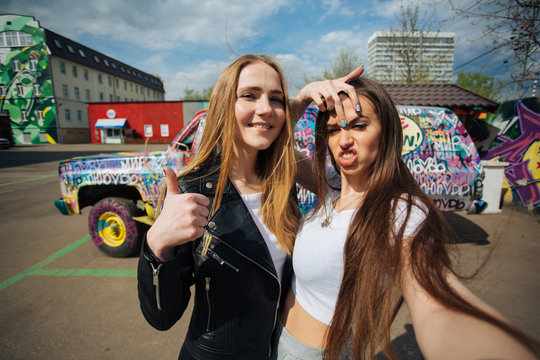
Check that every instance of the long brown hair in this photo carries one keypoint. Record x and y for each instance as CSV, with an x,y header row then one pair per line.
x,y
370,293
275,166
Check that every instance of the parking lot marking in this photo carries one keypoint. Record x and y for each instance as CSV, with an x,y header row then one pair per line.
x,y
38,269
30,179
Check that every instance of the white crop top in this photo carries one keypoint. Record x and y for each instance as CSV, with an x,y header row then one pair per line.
x,y
318,257
253,204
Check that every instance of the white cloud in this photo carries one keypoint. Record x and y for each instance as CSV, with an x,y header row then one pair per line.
x,y
153,25
198,77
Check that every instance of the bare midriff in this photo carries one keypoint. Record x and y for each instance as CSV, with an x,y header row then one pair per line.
x,y
301,325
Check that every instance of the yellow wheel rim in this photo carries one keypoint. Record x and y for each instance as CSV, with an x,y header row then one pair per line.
x,y
112,229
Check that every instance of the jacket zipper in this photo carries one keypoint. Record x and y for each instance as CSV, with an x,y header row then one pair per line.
x,y
207,288
221,261
268,272
155,280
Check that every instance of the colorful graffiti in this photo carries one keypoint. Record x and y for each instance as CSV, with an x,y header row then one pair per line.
x,y
518,143
142,171
441,156
25,80
436,148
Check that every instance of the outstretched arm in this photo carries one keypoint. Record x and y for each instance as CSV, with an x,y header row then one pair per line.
x,y
325,95
446,334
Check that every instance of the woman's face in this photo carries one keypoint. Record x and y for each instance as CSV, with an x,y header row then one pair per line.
x,y
259,107
355,146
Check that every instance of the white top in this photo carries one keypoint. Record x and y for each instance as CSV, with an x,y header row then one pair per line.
x,y
318,257
253,204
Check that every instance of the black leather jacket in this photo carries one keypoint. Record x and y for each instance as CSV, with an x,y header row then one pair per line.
x,y
237,292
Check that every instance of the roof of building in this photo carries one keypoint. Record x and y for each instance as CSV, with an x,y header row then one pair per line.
x,y
441,95
70,50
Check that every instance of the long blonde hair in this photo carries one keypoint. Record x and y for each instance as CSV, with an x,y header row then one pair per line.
x,y
275,166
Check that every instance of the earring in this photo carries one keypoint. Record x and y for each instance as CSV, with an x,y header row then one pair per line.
x,y
343,123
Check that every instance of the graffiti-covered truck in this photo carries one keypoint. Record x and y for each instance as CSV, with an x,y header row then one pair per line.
x,y
122,190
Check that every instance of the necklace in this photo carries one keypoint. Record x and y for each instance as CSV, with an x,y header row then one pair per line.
x,y
329,216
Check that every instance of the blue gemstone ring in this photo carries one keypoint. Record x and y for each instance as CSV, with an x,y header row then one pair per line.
x,y
343,123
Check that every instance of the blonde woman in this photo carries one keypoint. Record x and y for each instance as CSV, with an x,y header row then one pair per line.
x,y
229,222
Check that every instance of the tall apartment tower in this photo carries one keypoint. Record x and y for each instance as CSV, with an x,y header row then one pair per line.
x,y
47,80
419,57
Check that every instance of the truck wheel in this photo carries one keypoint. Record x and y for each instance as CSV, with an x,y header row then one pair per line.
x,y
112,227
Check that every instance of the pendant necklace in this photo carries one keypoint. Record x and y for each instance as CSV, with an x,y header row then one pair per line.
x,y
328,219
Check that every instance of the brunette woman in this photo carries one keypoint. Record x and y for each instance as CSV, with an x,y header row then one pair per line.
x,y
229,221
373,242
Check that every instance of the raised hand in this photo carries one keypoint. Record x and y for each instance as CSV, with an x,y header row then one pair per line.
x,y
325,93
182,219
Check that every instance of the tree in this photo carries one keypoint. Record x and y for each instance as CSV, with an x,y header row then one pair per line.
x,y
479,83
340,65
511,25
409,56
192,94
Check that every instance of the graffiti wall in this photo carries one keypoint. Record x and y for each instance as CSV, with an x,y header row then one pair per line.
x,y
25,80
441,156
436,148
518,143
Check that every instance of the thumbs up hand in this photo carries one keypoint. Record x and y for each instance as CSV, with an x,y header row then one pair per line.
x,y
182,219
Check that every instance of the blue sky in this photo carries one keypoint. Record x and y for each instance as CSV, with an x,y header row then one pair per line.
x,y
188,43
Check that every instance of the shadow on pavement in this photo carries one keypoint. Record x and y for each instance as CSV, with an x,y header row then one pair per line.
x,y
467,232
405,346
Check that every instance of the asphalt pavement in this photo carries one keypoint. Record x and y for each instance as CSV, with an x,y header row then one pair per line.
x,y
61,298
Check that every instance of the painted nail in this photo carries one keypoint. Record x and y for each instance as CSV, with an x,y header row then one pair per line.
x,y
343,123
358,107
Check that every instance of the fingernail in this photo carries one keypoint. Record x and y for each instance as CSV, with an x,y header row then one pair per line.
x,y
358,107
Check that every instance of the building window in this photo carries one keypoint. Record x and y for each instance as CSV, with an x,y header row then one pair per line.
x,y
23,115
82,53
37,90
2,90
99,79
74,71
65,90
20,90
109,80
88,97
40,116
85,73
15,38
136,89
110,98
101,98
68,114
77,94
131,87
33,64
125,85
118,98
16,65
79,115
117,83
42,136
62,67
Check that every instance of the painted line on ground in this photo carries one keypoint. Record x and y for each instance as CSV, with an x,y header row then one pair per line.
x,y
38,269
25,180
